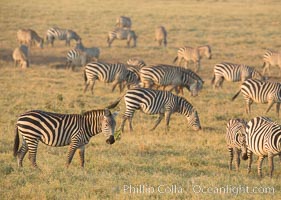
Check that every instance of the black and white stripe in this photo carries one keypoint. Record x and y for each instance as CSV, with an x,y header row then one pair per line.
x,y
61,34
163,103
166,75
76,57
234,73
105,72
58,130
271,58
122,34
263,138
260,92
235,139
193,54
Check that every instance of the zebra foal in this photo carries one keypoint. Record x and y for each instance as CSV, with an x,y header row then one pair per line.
x,y
58,130
234,73
163,103
235,140
260,92
263,138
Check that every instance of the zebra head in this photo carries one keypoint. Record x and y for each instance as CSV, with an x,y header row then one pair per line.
x,y
195,87
242,140
193,120
108,126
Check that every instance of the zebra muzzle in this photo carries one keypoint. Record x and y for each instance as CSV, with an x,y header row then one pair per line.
x,y
110,140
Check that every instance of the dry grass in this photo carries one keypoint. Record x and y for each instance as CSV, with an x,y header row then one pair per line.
x,y
238,32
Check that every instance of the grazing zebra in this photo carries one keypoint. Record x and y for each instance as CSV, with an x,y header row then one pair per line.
x,y
58,130
122,34
193,54
123,22
166,75
161,35
234,73
163,103
260,92
105,72
29,37
61,34
271,58
235,140
133,78
21,56
76,57
93,53
135,62
263,138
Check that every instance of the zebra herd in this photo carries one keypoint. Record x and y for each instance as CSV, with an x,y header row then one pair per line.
x,y
260,136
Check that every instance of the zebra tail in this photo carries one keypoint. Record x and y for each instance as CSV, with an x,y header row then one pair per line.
x,y
85,77
236,95
115,103
176,58
16,142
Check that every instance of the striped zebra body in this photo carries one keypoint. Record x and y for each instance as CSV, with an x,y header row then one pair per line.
x,y
263,138
105,72
166,75
271,58
234,73
133,78
61,34
75,57
135,62
260,92
193,54
58,130
122,34
163,103
235,140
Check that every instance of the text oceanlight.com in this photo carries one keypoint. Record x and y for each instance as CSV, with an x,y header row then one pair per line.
x,y
197,189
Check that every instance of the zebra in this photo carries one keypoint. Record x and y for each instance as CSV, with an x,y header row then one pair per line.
x,y
21,56
168,75
123,22
122,34
233,72
105,72
271,58
76,57
235,139
263,138
93,53
58,130
161,35
260,92
136,62
163,103
61,34
29,37
133,78
193,54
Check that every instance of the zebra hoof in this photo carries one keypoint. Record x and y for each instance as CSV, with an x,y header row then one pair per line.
x,y
110,140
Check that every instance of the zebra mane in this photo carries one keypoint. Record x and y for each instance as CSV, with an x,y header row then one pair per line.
x,y
99,111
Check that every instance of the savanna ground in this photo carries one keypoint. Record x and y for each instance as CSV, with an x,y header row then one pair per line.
x,y
182,161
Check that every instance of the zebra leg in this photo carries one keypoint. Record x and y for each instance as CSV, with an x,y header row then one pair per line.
x,y
278,108
250,157
248,106
82,155
123,123
160,117
271,164
71,152
22,152
260,160
32,150
265,68
167,116
237,158
92,86
197,65
231,158
270,104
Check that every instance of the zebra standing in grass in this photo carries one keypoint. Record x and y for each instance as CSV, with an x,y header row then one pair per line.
x,y
235,139
122,34
163,103
263,138
21,56
61,34
271,58
166,75
76,57
193,54
105,72
260,92
93,53
123,22
136,62
161,35
58,130
233,72
29,37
